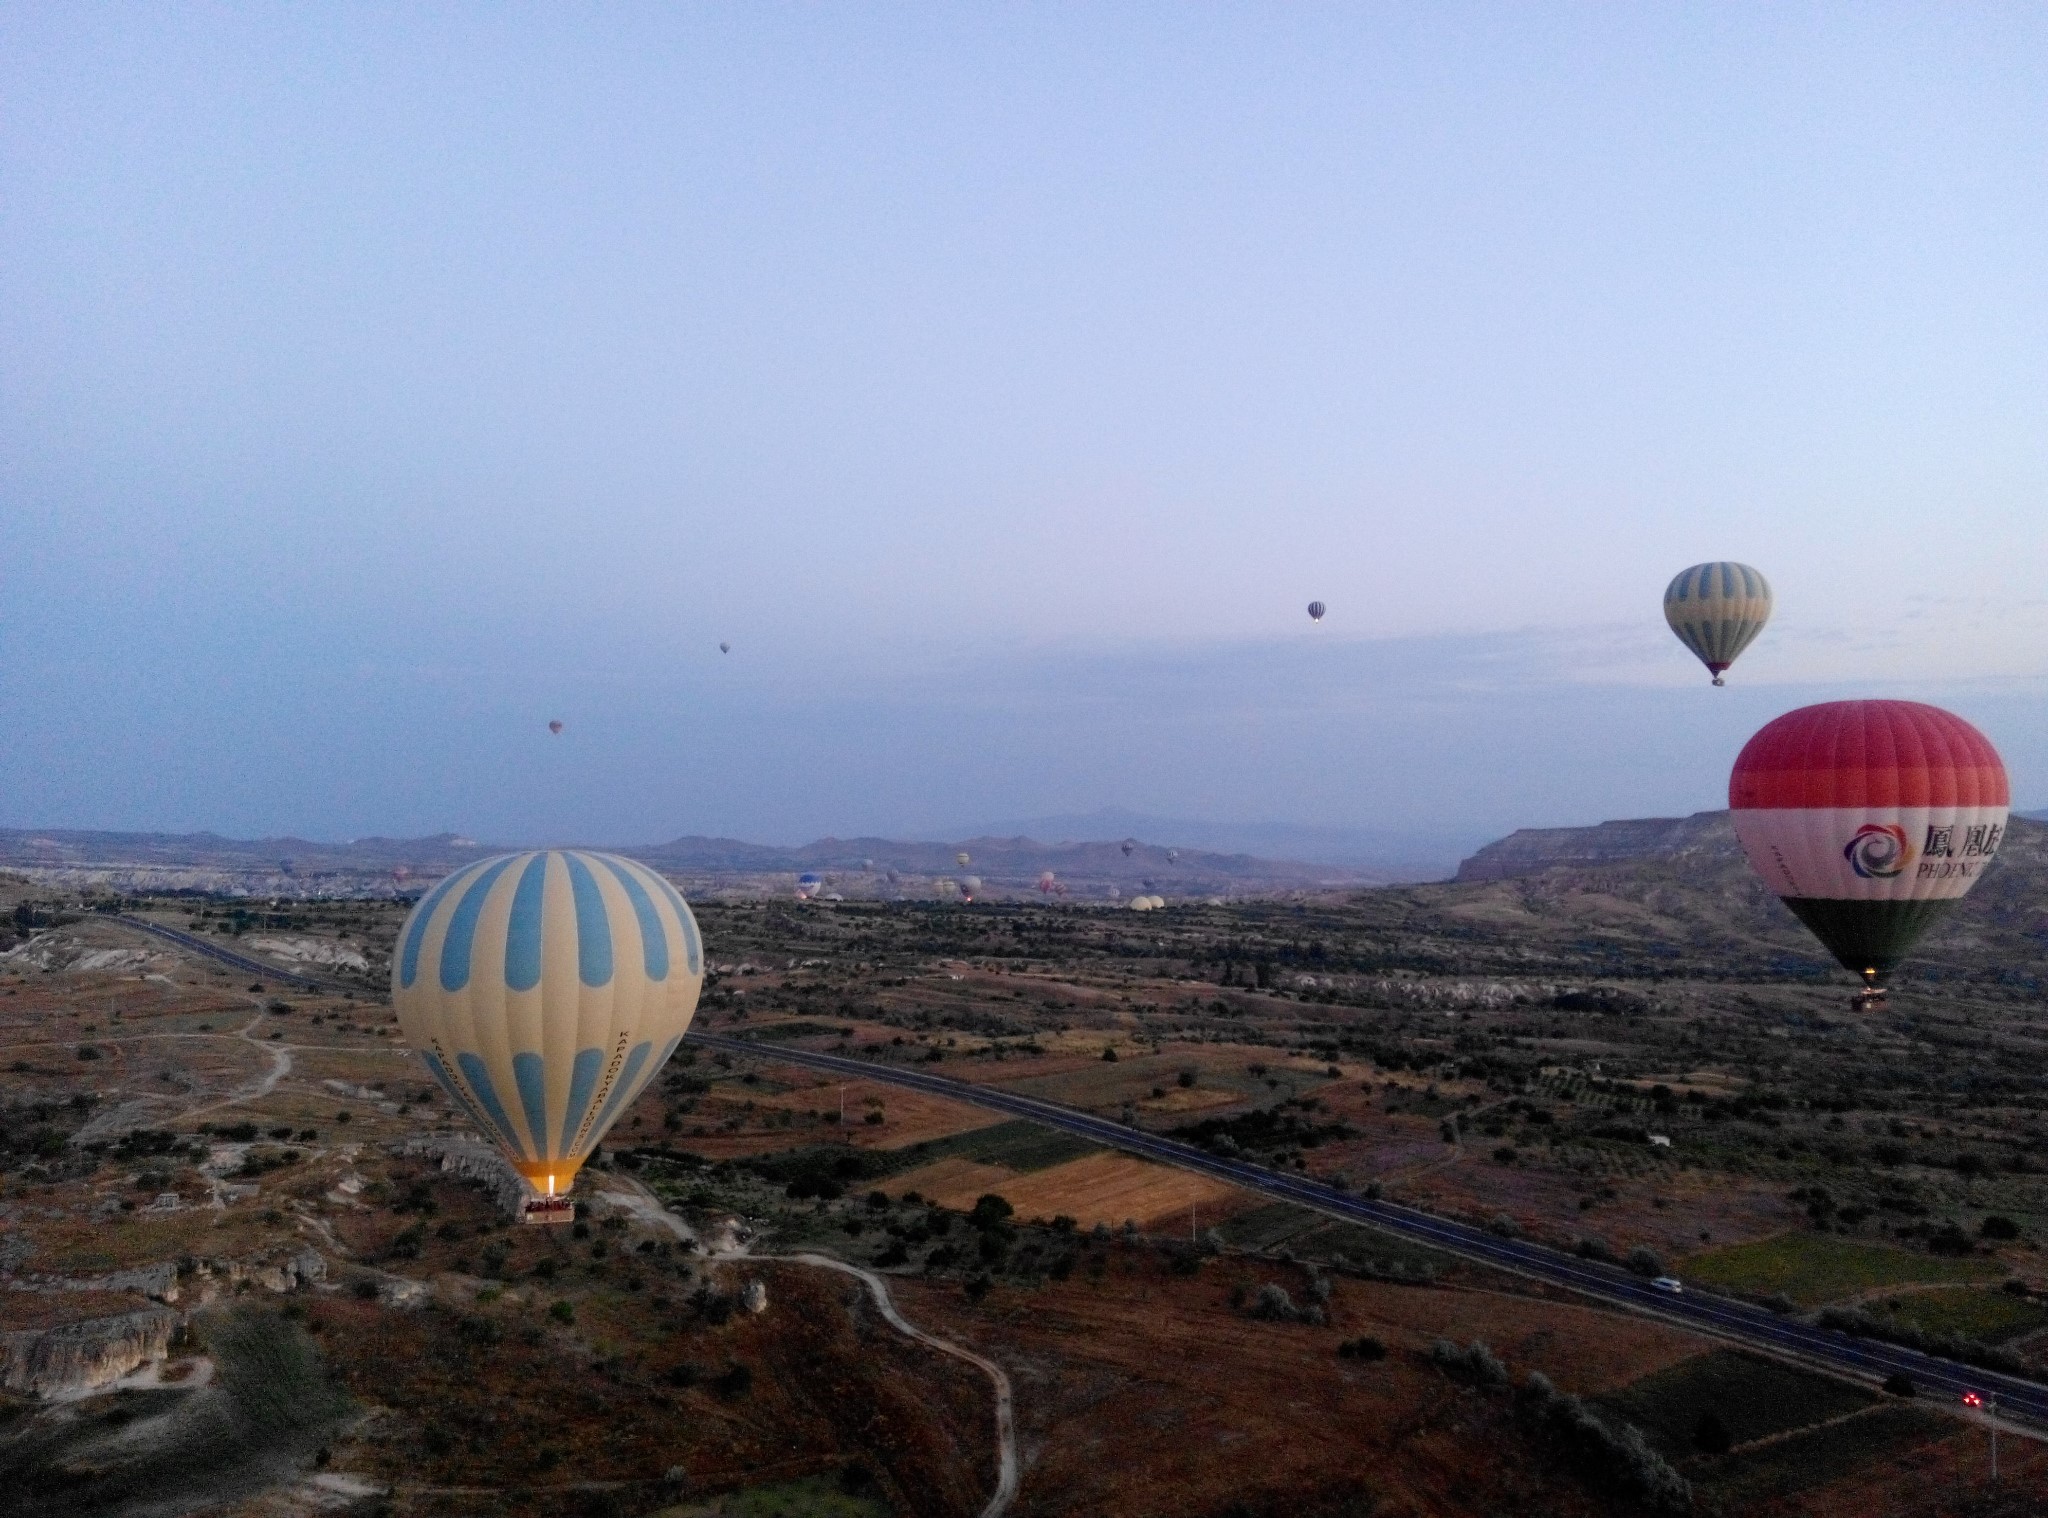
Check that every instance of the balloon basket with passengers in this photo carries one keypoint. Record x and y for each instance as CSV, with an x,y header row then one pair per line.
x,y
545,990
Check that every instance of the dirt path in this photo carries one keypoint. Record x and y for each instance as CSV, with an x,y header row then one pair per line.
x,y
1006,1425
644,1205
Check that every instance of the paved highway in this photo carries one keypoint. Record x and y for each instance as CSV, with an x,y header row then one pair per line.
x,y
231,959
1723,1317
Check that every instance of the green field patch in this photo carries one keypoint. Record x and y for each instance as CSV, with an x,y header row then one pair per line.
x,y
1269,1226
785,1032
1818,1456
812,1497
1813,1268
1752,1396
1989,1316
1019,1145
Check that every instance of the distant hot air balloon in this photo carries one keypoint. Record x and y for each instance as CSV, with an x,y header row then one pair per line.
x,y
285,865
545,991
725,648
400,874
1047,881
1316,609
1717,610
962,859
555,726
1173,856
808,885
971,885
1129,846
1871,819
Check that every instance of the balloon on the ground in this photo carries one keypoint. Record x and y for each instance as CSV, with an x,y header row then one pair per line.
x,y
1872,819
971,884
1047,880
1316,611
545,991
1717,610
808,884
555,726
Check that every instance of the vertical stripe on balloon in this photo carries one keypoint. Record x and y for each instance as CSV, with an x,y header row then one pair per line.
x,y
582,1077
523,932
409,964
593,925
653,938
455,949
479,1077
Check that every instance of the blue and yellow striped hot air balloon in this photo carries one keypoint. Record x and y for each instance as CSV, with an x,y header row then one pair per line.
x,y
1717,610
544,991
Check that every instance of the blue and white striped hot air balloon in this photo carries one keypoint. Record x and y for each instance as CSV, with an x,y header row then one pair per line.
x,y
1717,610
544,991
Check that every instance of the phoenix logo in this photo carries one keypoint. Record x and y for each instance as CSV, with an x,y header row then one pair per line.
x,y
1878,851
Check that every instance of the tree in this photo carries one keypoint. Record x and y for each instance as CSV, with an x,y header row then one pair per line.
x,y
1645,1261
1710,1435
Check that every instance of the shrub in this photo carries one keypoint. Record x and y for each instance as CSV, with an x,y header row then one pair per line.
x,y
1504,1225
1618,1459
735,1381
1474,1365
563,1312
1998,1227
1363,1348
1274,1305
1899,1384
1109,1054
1645,1261
1710,1435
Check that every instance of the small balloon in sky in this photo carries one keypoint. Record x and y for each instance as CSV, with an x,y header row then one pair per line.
x,y
555,726
1717,610
962,859
1316,609
1129,847
725,648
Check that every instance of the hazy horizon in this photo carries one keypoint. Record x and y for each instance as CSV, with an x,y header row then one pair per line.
x,y
378,386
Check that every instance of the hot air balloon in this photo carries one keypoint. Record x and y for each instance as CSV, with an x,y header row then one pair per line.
x,y
1717,610
400,874
545,991
1046,881
971,885
555,726
962,859
1316,609
725,648
1872,819
1129,846
809,885
1173,856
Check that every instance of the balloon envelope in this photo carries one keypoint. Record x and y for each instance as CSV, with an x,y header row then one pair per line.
x,y
555,727
544,991
1872,819
725,648
1316,609
1128,847
1717,610
961,859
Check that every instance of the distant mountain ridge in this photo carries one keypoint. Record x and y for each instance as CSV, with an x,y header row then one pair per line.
x,y
858,866
1530,851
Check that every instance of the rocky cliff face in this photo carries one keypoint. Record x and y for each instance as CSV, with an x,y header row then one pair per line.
x,y
1530,851
80,1356
472,1161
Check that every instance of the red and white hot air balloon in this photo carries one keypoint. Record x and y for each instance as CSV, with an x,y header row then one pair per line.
x,y
1871,819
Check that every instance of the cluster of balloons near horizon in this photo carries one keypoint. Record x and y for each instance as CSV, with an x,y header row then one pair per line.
x,y
1869,819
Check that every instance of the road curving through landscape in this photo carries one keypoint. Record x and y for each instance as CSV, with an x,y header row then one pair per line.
x,y
1869,1361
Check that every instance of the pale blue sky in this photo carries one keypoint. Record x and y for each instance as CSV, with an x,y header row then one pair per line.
x,y
376,384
